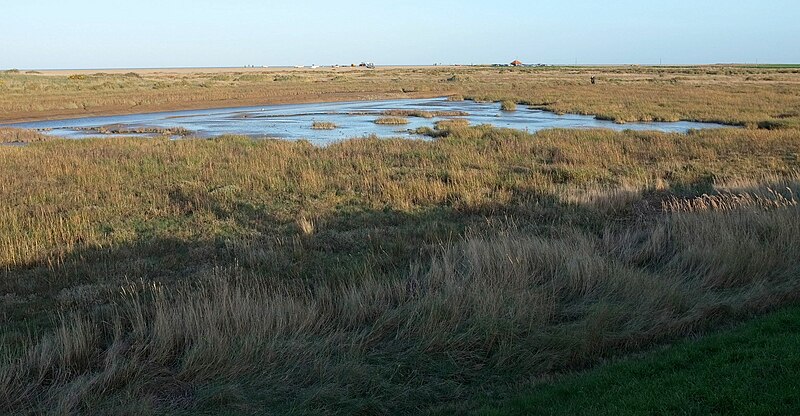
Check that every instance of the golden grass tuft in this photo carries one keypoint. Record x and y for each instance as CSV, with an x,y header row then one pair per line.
x,y
306,226
766,199
508,105
324,125
392,121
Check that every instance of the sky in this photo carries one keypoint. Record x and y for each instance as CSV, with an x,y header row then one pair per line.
x,y
94,34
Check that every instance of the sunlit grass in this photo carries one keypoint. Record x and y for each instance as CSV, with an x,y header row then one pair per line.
x,y
738,95
316,274
508,106
392,121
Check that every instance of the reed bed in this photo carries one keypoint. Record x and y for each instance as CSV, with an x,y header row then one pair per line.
x,y
510,303
392,121
754,97
375,276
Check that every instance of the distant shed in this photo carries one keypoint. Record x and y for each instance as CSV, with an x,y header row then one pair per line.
x,y
516,63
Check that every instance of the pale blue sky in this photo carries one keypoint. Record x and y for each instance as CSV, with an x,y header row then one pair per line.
x,y
170,33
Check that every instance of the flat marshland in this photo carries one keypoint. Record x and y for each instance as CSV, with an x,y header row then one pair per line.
x,y
372,276
729,94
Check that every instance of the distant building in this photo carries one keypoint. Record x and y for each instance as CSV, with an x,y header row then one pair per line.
x,y
516,63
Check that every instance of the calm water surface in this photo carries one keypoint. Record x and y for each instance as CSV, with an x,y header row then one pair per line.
x,y
354,119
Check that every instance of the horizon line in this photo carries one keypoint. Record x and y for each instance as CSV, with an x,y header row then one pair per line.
x,y
309,66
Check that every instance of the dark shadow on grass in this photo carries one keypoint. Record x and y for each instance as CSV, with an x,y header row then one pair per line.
x,y
352,242
344,246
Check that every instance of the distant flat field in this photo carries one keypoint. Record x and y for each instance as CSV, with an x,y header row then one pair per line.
x,y
215,70
737,95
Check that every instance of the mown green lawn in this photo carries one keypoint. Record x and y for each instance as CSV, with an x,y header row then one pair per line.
x,y
753,369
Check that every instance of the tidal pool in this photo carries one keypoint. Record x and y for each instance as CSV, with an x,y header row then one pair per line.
x,y
353,119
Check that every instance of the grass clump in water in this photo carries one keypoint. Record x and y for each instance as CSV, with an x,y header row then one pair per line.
x,y
392,121
324,125
508,105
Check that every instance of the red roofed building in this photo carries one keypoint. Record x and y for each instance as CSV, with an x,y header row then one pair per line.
x,y
516,63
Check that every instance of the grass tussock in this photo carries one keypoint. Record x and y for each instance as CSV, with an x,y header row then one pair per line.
x,y
324,125
190,269
392,121
507,105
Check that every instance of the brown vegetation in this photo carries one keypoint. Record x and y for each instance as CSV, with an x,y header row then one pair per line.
x,y
424,114
751,96
508,105
392,120
323,125
375,276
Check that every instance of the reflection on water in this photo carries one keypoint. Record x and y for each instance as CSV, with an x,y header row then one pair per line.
x,y
353,119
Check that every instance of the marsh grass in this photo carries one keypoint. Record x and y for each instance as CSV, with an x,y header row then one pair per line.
x,y
392,121
745,96
383,276
507,105
375,276
424,114
512,303
324,125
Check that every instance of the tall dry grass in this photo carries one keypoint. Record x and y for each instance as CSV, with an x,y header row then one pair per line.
x,y
375,276
508,303
392,121
508,105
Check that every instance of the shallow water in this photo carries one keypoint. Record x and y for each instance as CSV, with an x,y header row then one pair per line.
x,y
354,119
